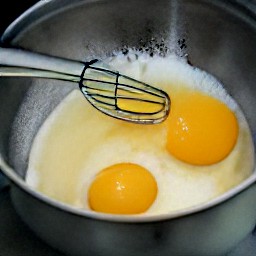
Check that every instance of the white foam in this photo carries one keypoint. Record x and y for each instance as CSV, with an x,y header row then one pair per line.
x,y
103,141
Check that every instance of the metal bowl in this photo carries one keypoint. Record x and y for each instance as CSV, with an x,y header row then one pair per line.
x,y
220,38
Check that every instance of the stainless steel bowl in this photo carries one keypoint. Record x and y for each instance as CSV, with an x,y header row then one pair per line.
x,y
221,39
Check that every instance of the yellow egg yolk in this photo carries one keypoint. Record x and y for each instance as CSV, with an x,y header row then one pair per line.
x,y
201,129
123,188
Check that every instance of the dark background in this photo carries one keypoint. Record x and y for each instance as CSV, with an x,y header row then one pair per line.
x,y
11,9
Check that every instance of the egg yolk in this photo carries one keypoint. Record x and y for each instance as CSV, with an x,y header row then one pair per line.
x,y
201,129
123,188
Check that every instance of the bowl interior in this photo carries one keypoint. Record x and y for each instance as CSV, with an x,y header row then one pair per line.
x,y
219,38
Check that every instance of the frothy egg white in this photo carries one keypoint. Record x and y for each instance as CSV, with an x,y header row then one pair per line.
x,y
76,142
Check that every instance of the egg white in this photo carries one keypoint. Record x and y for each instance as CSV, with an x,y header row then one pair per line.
x,y
76,142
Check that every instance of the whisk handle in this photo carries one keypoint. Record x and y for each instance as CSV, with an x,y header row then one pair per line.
x,y
21,63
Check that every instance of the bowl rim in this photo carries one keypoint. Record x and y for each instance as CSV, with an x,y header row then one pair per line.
x,y
12,31
243,9
41,9
136,218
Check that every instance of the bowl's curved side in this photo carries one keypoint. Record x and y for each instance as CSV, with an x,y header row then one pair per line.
x,y
211,232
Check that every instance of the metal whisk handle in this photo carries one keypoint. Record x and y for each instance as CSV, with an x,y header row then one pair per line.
x,y
15,62
113,94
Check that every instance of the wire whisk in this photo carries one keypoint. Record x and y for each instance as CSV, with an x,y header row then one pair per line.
x,y
110,92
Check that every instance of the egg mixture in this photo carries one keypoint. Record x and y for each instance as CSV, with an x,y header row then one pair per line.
x,y
92,161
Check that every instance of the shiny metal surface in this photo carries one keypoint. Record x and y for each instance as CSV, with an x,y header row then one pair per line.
x,y
221,39
12,229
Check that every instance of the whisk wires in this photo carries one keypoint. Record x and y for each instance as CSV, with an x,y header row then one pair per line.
x,y
123,97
